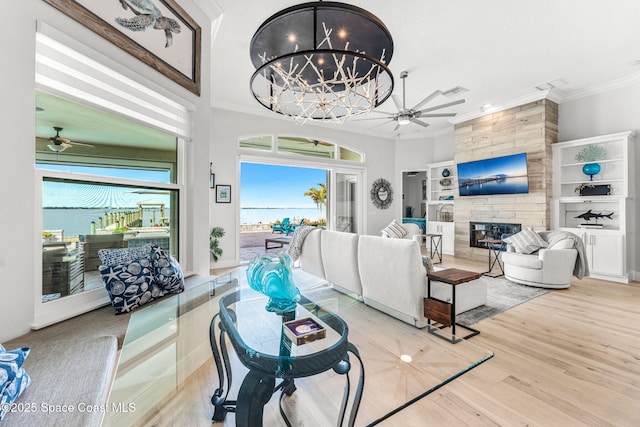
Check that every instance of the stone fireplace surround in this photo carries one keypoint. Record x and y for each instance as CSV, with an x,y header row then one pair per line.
x,y
530,128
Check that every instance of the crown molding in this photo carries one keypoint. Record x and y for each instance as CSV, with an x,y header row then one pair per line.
x,y
599,88
515,102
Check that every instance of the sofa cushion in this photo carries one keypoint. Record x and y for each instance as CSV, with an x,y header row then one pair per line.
x,y
526,241
130,285
67,372
562,244
111,257
522,260
393,275
167,273
340,259
311,254
394,230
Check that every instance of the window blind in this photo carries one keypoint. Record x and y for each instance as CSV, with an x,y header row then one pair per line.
x,y
64,71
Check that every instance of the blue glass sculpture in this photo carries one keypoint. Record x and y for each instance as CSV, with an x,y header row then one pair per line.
x,y
591,169
273,278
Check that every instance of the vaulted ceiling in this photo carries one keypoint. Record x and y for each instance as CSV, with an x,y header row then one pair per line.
x,y
500,50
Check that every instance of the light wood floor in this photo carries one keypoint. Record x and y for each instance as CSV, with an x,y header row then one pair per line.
x,y
568,358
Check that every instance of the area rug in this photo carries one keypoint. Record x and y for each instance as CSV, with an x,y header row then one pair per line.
x,y
502,294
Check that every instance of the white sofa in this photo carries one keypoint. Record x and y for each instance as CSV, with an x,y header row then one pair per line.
x,y
385,273
551,267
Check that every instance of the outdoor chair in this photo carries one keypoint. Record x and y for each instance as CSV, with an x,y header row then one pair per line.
x,y
292,227
283,227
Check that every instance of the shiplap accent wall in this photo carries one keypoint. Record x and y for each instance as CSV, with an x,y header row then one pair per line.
x,y
530,128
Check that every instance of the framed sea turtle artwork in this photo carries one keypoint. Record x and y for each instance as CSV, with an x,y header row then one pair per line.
x,y
157,32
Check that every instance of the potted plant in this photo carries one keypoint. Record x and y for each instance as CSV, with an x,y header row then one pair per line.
x,y
214,243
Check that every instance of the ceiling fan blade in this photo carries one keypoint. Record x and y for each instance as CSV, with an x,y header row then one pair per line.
x,y
396,100
382,112
82,144
438,115
427,99
420,122
65,145
369,118
448,104
384,123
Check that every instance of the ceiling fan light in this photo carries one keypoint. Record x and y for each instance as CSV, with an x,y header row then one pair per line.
x,y
404,120
56,148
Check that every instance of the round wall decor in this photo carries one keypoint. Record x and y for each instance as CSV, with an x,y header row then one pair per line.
x,y
381,193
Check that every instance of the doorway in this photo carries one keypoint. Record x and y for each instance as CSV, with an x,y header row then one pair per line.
x,y
414,197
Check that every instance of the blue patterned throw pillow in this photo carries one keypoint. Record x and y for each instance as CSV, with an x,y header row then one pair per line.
x,y
111,257
130,285
13,390
12,376
167,272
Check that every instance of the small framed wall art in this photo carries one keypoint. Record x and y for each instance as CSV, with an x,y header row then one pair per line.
x,y
223,194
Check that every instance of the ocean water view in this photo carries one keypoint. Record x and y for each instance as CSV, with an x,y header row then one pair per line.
x,y
270,215
77,221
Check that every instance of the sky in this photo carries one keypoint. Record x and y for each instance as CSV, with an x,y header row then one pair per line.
x,y
263,186
272,186
514,165
66,194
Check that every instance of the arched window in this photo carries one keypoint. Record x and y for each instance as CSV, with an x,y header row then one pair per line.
x,y
302,146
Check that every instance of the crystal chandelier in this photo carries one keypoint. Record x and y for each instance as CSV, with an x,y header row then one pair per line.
x,y
322,61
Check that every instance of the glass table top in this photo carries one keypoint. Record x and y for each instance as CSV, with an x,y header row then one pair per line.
x,y
168,341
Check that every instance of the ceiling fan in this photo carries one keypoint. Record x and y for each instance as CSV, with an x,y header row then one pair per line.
x,y
60,143
406,115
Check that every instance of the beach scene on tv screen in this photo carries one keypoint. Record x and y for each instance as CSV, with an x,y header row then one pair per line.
x,y
500,175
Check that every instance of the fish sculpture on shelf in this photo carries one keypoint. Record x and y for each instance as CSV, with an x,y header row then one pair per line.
x,y
588,215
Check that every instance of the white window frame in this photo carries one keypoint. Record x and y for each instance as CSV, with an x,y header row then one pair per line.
x,y
91,82
333,166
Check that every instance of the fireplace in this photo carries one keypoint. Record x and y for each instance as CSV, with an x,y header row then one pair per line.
x,y
489,230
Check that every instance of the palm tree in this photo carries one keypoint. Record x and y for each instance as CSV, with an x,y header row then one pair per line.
x,y
318,195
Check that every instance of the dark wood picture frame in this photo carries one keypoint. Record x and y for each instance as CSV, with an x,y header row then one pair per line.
x,y
115,35
223,194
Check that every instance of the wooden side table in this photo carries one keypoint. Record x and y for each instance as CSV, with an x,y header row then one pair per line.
x,y
443,312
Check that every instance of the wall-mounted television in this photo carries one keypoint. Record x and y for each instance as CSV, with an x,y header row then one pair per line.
x,y
499,175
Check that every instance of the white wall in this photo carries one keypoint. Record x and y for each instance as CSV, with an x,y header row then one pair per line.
x,y
20,242
617,110
229,126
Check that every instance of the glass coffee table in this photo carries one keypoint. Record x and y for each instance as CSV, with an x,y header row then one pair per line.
x,y
168,342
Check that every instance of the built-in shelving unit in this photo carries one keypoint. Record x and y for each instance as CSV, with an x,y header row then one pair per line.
x,y
609,237
441,190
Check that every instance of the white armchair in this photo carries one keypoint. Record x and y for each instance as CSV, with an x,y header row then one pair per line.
x,y
550,267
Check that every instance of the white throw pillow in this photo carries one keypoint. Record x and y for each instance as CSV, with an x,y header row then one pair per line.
x,y
526,242
394,230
